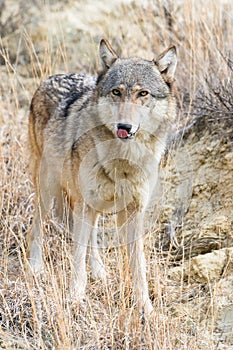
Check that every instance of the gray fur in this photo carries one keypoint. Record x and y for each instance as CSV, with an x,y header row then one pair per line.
x,y
81,146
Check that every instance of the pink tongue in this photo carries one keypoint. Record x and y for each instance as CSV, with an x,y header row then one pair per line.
x,y
123,134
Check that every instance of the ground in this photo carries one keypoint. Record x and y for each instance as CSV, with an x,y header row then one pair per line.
x,y
189,226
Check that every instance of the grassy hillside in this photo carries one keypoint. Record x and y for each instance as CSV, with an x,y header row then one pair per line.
x,y
189,228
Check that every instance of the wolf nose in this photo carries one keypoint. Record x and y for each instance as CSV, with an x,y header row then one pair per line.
x,y
123,126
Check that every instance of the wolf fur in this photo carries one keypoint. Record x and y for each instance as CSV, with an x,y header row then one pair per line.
x,y
98,142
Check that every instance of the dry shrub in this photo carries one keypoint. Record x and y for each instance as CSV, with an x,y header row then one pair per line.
x,y
213,105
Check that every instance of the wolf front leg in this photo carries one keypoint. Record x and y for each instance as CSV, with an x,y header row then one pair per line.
x,y
84,222
97,265
138,266
133,229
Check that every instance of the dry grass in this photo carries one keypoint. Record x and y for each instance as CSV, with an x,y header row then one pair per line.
x,y
35,313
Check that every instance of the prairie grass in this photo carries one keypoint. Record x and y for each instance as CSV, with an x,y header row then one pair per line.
x,y
36,313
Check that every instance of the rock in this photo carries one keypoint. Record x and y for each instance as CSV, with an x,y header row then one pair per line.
x,y
218,224
204,268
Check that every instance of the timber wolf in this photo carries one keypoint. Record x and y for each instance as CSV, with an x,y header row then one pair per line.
x,y
98,142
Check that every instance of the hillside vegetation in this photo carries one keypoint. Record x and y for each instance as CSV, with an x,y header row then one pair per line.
x,y
189,227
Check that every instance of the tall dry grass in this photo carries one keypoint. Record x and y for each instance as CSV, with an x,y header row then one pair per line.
x,y
35,313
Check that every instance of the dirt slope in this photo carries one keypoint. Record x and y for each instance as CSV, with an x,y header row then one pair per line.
x,y
192,271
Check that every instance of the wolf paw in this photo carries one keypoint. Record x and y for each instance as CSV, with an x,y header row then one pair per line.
x,y
148,308
36,267
145,308
98,273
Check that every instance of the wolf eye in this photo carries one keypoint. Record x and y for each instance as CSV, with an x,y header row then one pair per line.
x,y
116,92
143,93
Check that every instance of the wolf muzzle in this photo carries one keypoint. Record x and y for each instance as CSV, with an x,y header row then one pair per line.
x,y
125,131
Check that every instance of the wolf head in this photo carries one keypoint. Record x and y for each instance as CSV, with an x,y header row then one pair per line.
x,y
133,93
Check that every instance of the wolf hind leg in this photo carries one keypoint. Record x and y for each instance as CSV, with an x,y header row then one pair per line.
x,y
35,241
46,190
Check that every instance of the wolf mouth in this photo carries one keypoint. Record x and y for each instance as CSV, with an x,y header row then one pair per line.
x,y
124,131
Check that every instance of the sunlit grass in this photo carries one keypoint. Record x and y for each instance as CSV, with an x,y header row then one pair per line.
x,y
36,313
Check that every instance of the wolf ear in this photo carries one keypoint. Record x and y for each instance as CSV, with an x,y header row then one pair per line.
x,y
106,54
166,63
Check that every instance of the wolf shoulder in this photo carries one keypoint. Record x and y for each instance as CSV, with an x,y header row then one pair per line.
x,y
59,92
